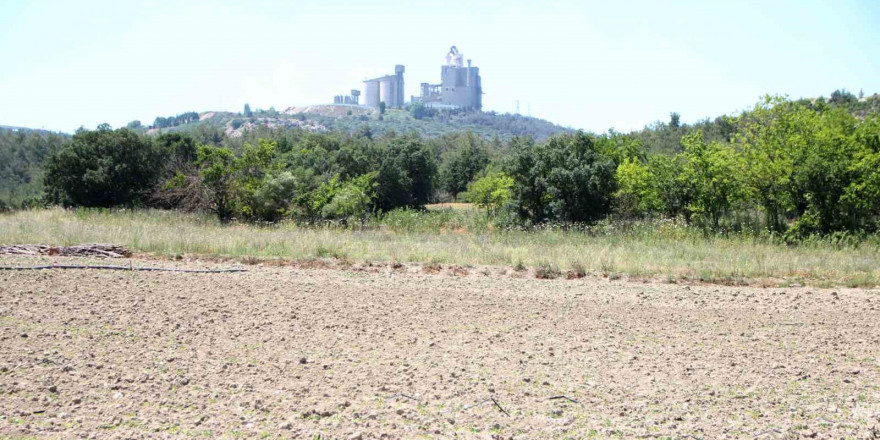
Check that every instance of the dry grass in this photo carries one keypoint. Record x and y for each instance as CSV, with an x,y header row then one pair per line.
x,y
453,206
714,259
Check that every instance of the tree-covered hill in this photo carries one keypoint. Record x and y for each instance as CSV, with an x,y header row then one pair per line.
x,y
354,119
22,154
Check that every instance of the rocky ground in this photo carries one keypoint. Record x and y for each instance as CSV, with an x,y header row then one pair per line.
x,y
384,352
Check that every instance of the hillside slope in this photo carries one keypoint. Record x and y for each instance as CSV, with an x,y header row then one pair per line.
x,y
347,118
22,154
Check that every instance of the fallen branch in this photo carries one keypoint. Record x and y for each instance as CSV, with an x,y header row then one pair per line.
x,y
130,268
82,250
403,395
563,397
499,407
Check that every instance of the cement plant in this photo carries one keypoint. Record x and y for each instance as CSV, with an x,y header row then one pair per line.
x,y
460,87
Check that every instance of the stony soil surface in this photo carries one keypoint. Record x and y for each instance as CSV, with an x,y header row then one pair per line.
x,y
382,352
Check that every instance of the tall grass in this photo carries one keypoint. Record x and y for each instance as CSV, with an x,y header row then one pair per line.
x,y
660,249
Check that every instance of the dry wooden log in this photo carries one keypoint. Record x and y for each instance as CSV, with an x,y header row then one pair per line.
x,y
100,250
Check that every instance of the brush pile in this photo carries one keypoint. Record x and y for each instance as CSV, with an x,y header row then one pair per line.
x,y
81,250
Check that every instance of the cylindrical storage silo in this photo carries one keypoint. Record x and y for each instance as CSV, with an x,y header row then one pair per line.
x,y
372,94
387,93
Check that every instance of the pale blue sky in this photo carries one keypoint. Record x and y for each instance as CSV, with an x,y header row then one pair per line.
x,y
591,65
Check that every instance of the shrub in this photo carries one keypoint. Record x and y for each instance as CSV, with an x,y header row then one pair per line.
x,y
103,168
564,179
464,164
491,192
547,271
353,199
578,270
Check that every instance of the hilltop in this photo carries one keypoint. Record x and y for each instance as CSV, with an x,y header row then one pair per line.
x,y
350,119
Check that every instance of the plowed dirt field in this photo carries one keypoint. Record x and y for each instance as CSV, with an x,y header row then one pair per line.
x,y
382,352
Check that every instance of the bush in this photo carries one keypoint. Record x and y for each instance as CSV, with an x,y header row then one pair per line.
x,y
547,271
353,199
406,175
103,168
273,199
465,163
491,192
564,179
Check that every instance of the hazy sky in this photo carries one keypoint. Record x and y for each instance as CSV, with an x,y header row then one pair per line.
x,y
591,65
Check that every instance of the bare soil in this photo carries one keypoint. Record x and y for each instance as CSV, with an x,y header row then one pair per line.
x,y
399,352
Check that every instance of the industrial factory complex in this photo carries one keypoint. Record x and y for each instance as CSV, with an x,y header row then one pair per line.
x,y
460,87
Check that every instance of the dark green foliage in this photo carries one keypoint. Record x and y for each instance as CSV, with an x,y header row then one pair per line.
x,y
180,149
842,97
174,121
674,120
469,159
406,174
564,179
217,172
103,168
247,111
22,157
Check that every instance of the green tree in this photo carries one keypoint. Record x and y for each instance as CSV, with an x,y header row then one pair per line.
x,y
833,173
491,192
668,184
466,162
636,193
353,198
104,168
382,108
674,120
620,147
406,174
712,171
216,168
770,138
565,179
250,171
274,198
247,111
842,97
179,150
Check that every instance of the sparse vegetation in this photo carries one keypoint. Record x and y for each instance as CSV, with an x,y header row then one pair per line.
x,y
665,250
547,271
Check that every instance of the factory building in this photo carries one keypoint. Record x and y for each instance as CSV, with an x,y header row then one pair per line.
x,y
352,99
387,89
460,86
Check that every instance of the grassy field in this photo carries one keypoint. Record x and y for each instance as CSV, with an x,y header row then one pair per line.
x,y
663,251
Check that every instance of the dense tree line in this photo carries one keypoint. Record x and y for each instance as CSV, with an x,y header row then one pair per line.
x,y
307,176
174,121
795,168
788,167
